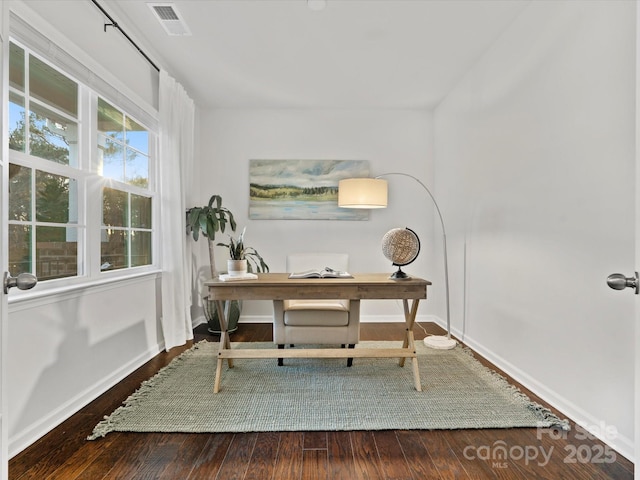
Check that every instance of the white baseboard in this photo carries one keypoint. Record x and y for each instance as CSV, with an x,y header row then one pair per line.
x,y
33,432
621,444
196,322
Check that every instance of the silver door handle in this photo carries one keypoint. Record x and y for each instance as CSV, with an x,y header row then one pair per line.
x,y
618,281
24,281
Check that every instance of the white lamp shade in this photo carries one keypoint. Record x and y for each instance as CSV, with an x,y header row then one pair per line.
x,y
362,193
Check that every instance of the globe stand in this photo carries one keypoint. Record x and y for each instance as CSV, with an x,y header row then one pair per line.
x,y
399,275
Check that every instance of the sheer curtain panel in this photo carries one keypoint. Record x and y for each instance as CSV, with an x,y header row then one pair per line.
x,y
177,113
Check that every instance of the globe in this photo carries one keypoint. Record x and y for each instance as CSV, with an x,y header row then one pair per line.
x,y
401,246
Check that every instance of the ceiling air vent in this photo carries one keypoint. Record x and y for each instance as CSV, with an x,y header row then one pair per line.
x,y
169,17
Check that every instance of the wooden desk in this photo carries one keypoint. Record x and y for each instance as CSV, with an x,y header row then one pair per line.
x,y
277,286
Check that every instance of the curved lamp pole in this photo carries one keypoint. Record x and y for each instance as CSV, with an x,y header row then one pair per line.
x,y
372,193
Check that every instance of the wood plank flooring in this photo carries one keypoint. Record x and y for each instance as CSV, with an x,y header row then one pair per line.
x,y
64,454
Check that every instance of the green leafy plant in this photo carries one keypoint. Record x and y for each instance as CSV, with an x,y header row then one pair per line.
x,y
209,219
238,251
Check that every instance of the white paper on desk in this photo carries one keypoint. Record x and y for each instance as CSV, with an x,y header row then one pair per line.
x,y
232,278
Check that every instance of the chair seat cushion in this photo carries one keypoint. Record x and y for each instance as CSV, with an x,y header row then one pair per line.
x,y
338,305
315,318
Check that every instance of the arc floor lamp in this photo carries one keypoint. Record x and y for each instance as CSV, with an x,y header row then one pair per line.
x,y
372,193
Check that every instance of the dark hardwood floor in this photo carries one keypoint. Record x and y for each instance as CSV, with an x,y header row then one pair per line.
x,y
415,454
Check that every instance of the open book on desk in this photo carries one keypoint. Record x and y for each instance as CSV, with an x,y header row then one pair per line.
x,y
326,272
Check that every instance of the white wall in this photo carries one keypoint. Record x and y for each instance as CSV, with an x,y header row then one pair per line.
x,y
535,172
391,140
67,348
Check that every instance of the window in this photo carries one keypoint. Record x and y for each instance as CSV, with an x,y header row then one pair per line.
x,y
126,230
123,146
43,181
73,152
47,227
123,156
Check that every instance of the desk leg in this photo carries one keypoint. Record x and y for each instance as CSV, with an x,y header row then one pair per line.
x,y
225,343
216,384
410,318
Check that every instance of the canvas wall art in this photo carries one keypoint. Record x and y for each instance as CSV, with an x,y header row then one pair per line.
x,y
302,189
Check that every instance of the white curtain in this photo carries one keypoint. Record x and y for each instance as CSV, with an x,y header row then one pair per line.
x,y
177,116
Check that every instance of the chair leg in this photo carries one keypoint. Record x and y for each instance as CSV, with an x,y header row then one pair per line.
x,y
350,360
280,363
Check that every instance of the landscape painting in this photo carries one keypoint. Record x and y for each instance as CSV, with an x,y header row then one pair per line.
x,y
302,189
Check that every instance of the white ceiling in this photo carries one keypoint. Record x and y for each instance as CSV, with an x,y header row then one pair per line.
x,y
352,54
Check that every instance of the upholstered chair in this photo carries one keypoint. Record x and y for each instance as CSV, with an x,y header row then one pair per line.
x,y
330,322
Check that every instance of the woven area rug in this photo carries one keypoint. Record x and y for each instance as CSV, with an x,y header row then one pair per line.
x,y
324,394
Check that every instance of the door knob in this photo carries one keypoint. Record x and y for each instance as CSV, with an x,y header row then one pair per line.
x,y
618,281
24,281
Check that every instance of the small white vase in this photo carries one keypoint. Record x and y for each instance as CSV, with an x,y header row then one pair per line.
x,y
237,268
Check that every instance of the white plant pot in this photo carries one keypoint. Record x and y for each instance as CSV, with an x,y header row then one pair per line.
x,y
236,268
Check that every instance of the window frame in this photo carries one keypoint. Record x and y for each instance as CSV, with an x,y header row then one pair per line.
x,y
149,192
89,186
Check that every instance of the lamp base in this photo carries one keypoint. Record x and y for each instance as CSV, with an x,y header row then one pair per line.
x,y
440,342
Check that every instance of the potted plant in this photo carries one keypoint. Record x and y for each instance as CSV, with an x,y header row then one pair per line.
x,y
209,220
243,259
